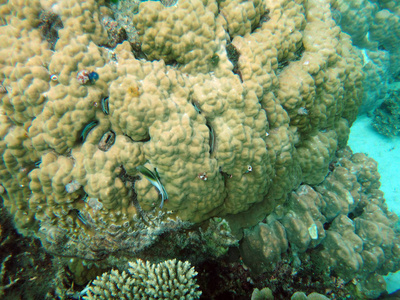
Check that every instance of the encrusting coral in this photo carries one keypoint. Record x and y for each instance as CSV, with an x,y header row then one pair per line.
x,y
229,104
170,279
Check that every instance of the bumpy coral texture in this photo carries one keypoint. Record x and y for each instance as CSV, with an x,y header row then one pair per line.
x,y
343,223
231,116
376,66
355,17
170,279
374,27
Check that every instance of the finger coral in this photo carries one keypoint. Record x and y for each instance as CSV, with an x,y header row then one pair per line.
x,y
169,279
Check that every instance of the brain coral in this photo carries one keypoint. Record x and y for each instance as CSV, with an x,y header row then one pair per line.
x,y
229,106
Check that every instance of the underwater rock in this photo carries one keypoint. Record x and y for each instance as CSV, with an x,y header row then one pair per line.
x,y
386,118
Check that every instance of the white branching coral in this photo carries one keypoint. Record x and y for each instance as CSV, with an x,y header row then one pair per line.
x,y
111,285
171,279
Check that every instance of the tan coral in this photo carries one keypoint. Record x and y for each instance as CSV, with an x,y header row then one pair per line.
x,y
342,249
241,16
316,153
263,245
340,193
303,219
229,132
355,17
350,223
24,74
79,19
184,33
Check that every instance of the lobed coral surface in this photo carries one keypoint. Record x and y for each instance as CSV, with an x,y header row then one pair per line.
x,y
230,105
342,225
224,137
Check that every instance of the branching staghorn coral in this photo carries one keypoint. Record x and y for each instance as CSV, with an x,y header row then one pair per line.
x,y
171,279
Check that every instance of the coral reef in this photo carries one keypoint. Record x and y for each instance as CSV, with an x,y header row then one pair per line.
x,y
386,118
50,23
181,112
170,279
10,282
312,296
266,294
355,17
263,294
342,225
373,27
135,130
122,14
27,271
376,82
116,34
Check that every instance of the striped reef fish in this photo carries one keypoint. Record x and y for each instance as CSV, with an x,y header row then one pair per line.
x,y
154,179
87,129
104,105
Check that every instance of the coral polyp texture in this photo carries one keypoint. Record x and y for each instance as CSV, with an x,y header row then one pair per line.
x,y
254,128
373,26
230,105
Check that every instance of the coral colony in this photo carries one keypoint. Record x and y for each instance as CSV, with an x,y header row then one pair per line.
x,y
172,149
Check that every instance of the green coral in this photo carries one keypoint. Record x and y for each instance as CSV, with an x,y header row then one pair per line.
x,y
264,294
